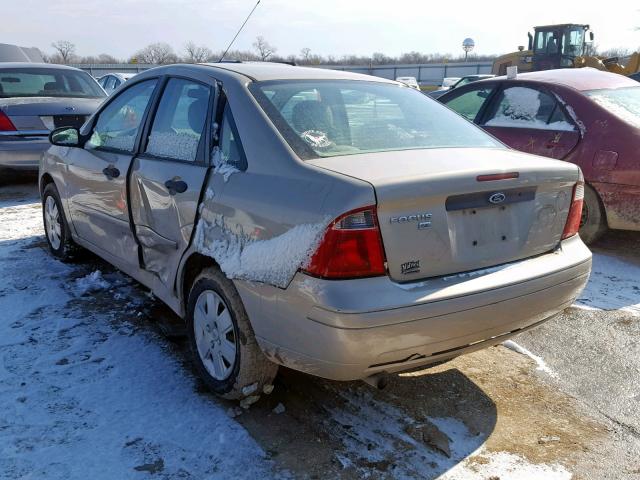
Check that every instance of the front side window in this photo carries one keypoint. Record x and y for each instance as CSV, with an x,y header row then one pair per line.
x,y
469,104
546,43
179,122
523,107
118,124
622,102
344,117
573,42
47,82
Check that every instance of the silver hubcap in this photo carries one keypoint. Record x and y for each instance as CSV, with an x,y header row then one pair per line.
x,y
52,222
214,333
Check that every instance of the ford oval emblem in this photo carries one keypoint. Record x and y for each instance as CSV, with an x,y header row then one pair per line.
x,y
498,197
69,109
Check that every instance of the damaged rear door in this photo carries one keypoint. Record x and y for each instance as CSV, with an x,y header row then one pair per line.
x,y
167,178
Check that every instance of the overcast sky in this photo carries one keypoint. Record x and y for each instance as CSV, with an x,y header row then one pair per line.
x,y
337,27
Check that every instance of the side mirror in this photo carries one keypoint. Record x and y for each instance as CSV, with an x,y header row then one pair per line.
x,y
65,137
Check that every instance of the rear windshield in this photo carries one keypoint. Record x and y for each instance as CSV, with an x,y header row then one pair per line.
x,y
622,102
47,82
328,118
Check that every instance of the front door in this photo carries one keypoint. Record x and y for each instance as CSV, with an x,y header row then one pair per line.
x,y
167,178
97,173
532,121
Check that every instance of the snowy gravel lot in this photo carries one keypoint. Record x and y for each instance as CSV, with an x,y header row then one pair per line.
x,y
91,388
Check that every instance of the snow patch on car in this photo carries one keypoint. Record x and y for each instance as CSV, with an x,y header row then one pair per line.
x,y
274,260
179,145
521,110
222,165
572,114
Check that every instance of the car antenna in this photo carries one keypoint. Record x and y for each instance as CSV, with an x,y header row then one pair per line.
x,y
240,29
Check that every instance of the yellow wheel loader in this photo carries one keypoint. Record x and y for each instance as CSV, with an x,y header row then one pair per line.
x,y
562,46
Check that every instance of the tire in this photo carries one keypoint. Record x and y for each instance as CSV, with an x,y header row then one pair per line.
x,y
216,320
56,227
594,220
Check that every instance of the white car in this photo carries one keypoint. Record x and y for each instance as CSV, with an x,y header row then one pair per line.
x,y
410,81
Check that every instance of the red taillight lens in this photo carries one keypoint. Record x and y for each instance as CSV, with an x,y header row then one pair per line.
x,y
5,124
351,247
575,211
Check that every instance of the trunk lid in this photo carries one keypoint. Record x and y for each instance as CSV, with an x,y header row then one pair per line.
x,y
436,218
46,113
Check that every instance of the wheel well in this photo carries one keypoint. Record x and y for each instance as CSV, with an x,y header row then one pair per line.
x,y
45,180
194,265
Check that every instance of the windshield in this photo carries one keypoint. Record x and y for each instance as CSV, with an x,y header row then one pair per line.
x,y
327,118
47,82
622,102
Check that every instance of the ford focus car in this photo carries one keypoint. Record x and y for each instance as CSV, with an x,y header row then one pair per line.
x,y
35,99
339,224
584,116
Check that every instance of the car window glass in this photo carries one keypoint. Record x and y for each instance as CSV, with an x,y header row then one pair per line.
x,y
229,143
179,121
469,104
522,107
110,83
345,117
118,124
116,83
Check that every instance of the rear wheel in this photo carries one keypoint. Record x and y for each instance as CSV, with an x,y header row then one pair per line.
x,y
56,228
222,341
593,223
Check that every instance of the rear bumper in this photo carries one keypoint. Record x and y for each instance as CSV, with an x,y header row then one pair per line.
x,y
22,153
352,329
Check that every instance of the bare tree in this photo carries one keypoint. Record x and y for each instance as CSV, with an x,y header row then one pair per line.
x,y
156,53
65,50
197,54
264,49
305,53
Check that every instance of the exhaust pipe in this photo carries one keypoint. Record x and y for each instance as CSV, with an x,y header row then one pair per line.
x,y
377,380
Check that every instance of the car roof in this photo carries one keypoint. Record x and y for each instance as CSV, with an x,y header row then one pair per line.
x,y
8,65
579,78
263,71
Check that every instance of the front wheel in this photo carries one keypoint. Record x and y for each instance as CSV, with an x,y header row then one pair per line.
x,y
56,228
593,223
224,347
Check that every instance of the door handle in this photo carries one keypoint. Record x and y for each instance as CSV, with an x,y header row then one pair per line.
x,y
176,186
111,172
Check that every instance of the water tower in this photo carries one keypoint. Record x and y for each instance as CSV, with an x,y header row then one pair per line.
x,y
467,46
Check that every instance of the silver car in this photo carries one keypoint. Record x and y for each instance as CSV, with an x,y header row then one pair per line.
x,y
35,99
111,81
339,224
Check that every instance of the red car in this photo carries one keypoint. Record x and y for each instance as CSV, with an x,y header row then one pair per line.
x,y
584,116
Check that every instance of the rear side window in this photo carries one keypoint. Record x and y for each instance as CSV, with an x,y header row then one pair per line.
x,y
522,107
469,104
118,124
179,122
229,142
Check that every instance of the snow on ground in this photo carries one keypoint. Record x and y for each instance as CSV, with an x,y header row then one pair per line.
x,y
88,393
372,432
542,366
614,285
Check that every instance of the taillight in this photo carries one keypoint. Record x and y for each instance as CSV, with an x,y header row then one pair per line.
x,y
5,124
575,211
351,247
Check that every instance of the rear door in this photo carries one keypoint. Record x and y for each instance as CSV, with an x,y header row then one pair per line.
x,y
167,178
530,120
96,174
